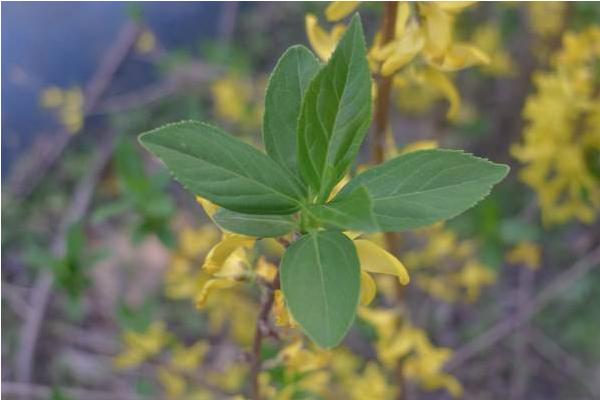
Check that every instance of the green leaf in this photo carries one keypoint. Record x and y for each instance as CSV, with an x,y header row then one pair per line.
x,y
335,115
287,85
354,211
424,187
320,279
224,170
255,225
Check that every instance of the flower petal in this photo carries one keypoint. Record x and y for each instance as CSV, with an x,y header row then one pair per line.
x,y
375,259
442,83
216,257
368,290
340,9
322,42
209,208
210,286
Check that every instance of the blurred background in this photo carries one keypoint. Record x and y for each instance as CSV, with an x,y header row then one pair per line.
x,y
102,251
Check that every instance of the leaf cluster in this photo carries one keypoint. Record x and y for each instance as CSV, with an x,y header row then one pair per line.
x,y
316,118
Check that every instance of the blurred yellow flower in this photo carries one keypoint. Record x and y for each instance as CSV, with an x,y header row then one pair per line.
x,y
146,42
372,384
139,347
340,9
51,97
68,105
321,41
188,359
422,362
525,253
173,384
563,128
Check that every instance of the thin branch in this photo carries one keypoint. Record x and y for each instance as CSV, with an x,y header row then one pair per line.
x,y
30,171
262,330
563,362
506,327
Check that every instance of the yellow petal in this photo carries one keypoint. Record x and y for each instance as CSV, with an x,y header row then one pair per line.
x,y
210,286
217,256
402,18
188,359
454,6
340,9
438,28
368,290
209,208
323,43
442,83
375,259
402,51
460,56
173,384
52,97
283,317
266,270
420,145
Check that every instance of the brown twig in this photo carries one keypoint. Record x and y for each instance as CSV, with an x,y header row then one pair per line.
x,y
520,371
40,294
506,327
262,330
563,362
382,120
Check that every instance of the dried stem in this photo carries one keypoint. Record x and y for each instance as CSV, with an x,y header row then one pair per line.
x,y
262,330
506,327
382,120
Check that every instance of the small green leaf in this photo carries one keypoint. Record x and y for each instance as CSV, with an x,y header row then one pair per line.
x,y
335,115
424,187
287,85
320,279
224,170
255,225
354,211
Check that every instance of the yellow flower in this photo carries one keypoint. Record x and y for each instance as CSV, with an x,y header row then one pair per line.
x,y
561,130
321,41
372,384
216,257
52,97
188,359
472,277
173,384
445,86
146,42
209,208
525,253
487,37
283,317
300,360
547,17
422,362
235,100
139,347
226,274
194,242
266,270
340,9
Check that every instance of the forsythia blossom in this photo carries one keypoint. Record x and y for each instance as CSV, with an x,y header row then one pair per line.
x,y
561,140
423,50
